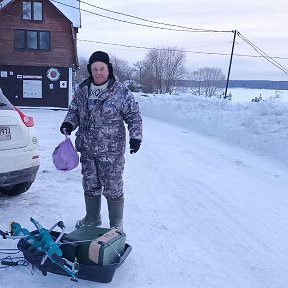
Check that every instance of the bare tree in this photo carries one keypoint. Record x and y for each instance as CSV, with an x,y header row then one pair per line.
x,y
155,62
81,74
174,68
148,80
121,68
206,81
164,64
139,70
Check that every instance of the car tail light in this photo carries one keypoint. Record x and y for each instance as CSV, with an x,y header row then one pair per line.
x,y
28,121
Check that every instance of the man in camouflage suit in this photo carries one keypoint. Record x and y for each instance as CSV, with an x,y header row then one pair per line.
x,y
100,107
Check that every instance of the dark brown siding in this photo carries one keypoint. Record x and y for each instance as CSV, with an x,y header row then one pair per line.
x,y
62,53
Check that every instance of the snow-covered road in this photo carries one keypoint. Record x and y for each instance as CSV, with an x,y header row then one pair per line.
x,y
199,213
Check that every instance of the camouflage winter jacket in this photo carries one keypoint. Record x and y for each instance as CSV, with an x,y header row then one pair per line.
x,y
102,129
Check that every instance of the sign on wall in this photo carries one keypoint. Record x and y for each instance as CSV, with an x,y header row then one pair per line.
x,y
32,88
63,84
53,74
3,74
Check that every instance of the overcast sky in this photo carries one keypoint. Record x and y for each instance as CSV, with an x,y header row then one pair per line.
x,y
264,23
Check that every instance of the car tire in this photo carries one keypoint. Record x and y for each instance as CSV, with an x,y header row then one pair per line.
x,y
16,189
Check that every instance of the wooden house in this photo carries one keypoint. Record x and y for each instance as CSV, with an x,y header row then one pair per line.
x,y
38,52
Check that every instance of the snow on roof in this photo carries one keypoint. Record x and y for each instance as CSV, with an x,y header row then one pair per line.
x,y
4,2
70,8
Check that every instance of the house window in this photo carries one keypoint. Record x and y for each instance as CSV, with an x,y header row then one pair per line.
x,y
30,39
19,39
32,11
44,40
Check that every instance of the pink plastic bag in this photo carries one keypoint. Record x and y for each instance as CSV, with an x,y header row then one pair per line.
x,y
65,156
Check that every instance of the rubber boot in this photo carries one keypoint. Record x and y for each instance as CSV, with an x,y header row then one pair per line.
x,y
93,216
115,209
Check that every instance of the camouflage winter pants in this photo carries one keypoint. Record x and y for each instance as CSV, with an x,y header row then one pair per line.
x,y
103,174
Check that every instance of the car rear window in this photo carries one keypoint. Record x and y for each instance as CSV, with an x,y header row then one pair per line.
x,y
4,102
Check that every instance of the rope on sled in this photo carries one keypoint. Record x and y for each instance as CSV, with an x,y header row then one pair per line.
x,y
10,260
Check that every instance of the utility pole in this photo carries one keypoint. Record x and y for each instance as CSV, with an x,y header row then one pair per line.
x,y
228,76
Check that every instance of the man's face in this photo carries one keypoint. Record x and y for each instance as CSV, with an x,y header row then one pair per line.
x,y
100,72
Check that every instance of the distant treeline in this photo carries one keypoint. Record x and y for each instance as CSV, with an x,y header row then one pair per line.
x,y
251,84
259,84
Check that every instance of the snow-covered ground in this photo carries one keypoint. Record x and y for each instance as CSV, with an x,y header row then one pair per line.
x,y
206,197
246,95
257,126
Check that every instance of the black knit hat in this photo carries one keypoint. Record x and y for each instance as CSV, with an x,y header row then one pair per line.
x,y
100,56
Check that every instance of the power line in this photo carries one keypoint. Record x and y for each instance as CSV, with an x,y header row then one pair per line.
x,y
183,29
156,22
150,48
186,51
263,54
186,29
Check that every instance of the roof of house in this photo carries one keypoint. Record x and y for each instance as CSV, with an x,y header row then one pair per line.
x,y
70,8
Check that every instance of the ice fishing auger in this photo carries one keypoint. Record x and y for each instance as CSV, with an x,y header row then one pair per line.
x,y
41,240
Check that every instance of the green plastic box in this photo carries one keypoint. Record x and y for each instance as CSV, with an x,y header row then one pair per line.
x,y
94,245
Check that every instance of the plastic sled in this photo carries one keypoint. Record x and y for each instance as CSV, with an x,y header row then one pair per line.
x,y
102,272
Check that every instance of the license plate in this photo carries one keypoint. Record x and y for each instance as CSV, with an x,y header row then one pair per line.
x,y
5,133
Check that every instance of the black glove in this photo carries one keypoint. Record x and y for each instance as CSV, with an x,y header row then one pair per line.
x,y
134,145
68,126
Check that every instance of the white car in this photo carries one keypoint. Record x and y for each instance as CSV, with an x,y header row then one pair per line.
x,y
19,156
